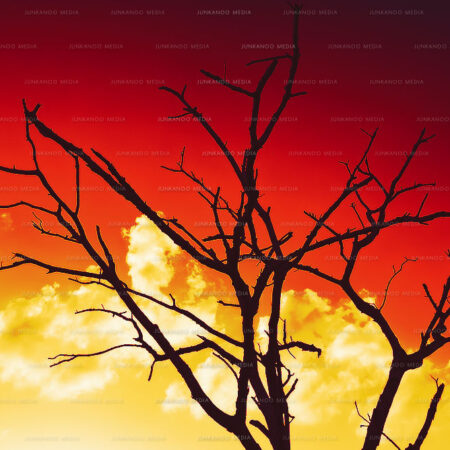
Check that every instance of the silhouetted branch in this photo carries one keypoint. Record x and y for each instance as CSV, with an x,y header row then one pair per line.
x,y
257,424
234,305
29,205
429,418
226,83
70,357
217,355
271,59
172,307
302,346
40,227
15,171
50,268
437,325
395,273
199,116
367,421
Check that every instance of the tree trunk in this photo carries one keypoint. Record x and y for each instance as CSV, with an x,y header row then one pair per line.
x,y
381,411
279,432
279,428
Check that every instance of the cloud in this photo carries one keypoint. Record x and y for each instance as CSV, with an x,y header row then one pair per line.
x,y
32,326
149,257
153,261
353,366
352,348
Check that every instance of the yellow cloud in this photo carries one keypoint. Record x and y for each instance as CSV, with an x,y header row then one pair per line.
x,y
149,257
353,366
32,327
153,261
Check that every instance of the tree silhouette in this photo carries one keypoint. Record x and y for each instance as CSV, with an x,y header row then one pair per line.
x,y
263,375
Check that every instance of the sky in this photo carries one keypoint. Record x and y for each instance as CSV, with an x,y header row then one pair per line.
x,y
96,69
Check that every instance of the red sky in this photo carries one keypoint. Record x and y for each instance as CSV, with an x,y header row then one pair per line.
x,y
96,75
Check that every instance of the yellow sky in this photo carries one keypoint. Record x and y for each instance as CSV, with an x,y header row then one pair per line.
x,y
106,402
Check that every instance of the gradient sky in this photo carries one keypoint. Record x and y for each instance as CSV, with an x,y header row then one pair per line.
x,y
95,70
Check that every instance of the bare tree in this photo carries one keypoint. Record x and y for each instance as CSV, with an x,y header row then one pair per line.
x,y
264,374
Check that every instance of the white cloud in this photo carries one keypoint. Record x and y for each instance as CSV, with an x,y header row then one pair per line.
x,y
149,257
31,326
46,322
353,365
153,260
